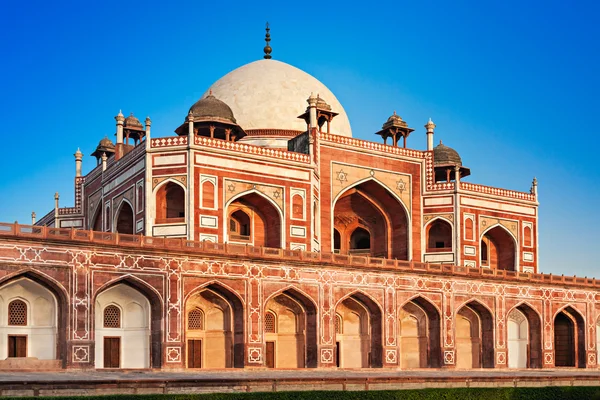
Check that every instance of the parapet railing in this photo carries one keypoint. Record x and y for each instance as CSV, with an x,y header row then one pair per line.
x,y
169,141
471,187
365,144
251,149
267,253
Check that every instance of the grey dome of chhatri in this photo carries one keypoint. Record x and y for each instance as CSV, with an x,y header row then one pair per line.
x,y
210,107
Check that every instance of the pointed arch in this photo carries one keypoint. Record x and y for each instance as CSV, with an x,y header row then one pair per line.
x,y
375,313
124,219
63,329
95,224
569,338
170,198
311,324
237,306
156,311
534,333
501,245
372,178
429,327
481,336
279,225
391,226
439,234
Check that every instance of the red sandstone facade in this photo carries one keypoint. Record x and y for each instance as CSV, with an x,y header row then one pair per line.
x,y
216,248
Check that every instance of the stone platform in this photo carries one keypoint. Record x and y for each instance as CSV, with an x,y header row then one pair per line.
x,y
107,382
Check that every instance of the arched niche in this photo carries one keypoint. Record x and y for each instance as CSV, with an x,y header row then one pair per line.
x,y
439,236
498,249
170,203
124,221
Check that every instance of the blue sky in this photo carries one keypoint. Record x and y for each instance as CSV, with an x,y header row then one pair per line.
x,y
512,85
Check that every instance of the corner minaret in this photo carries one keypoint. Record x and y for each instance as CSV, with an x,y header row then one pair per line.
x,y
430,126
267,48
120,118
78,157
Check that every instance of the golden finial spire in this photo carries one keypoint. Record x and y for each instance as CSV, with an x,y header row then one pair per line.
x,y
268,48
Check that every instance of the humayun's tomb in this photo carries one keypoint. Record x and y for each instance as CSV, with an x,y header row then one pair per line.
x,y
262,234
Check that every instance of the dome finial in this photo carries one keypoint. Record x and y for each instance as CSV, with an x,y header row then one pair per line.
x,y
267,48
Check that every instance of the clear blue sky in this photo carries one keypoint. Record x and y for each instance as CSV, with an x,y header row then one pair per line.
x,y
513,86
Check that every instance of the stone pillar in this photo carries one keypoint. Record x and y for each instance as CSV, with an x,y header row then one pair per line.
x,y
255,342
430,126
548,334
391,355
104,158
78,157
120,120
448,325
33,218
312,105
327,349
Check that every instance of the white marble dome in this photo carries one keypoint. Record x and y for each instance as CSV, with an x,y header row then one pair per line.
x,y
270,94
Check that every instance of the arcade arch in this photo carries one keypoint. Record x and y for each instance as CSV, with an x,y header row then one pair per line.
x,y
381,218
261,217
419,335
359,345
290,331
474,334
28,321
524,336
209,334
122,331
498,249
214,328
569,339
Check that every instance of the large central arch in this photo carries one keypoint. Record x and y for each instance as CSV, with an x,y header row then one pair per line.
x,y
370,208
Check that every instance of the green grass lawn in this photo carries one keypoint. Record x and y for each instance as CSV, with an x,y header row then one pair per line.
x,y
543,393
